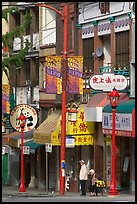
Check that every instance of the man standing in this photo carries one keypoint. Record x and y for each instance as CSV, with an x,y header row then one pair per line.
x,y
83,176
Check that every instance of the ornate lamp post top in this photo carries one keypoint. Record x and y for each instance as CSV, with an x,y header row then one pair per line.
x,y
114,98
22,119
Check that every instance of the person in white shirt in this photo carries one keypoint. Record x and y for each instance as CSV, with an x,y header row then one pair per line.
x,y
83,177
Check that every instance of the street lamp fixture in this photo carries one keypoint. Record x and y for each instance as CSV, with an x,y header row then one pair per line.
x,y
114,97
72,112
22,120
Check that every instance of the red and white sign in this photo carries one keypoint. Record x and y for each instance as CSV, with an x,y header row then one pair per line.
x,y
29,112
107,82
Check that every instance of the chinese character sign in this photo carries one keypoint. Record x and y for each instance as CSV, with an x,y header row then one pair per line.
x,y
80,126
5,98
75,70
107,82
123,121
53,75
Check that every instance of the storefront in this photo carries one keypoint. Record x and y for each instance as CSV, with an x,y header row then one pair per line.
x,y
79,145
12,158
93,112
125,143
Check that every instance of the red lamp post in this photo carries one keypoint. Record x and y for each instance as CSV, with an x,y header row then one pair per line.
x,y
22,120
63,126
114,97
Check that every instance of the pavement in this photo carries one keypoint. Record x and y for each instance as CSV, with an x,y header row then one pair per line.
x,y
35,192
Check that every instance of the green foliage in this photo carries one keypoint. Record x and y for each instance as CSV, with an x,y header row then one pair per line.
x,y
8,39
7,11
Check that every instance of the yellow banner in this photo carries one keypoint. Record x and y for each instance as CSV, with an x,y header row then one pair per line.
x,y
84,140
79,139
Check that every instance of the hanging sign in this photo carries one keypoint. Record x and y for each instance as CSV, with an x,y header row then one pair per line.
x,y
29,112
48,147
107,82
26,150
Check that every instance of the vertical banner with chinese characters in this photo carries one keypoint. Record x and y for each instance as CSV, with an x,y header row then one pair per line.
x,y
53,75
5,98
75,70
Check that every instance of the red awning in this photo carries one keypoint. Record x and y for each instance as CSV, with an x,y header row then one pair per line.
x,y
93,109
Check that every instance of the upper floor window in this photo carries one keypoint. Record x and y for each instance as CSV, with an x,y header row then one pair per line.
x,y
104,7
122,48
48,26
88,50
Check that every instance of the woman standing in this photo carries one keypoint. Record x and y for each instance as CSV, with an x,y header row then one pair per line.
x,y
92,182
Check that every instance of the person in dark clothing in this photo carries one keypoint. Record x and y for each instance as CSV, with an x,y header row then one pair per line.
x,y
92,182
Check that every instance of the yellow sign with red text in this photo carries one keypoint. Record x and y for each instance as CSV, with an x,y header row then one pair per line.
x,y
81,130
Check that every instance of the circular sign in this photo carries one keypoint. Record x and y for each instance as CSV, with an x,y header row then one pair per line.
x,y
29,112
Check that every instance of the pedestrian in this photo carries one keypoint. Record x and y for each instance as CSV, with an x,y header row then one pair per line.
x,y
92,182
83,176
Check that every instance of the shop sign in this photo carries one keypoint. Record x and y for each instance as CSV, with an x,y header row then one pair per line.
x,y
21,95
80,127
29,112
26,150
73,140
48,147
118,132
123,121
107,82
84,140
70,141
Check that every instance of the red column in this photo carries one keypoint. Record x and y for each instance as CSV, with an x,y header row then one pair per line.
x,y
113,188
22,185
63,125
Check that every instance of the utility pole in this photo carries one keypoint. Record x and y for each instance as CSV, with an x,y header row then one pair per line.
x,y
64,83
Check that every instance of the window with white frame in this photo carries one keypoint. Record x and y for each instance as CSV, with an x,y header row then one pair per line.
x,y
48,26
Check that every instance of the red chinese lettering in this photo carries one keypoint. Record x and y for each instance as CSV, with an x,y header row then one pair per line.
x,y
108,80
85,139
75,129
118,80
79,139
81,116
101,80
95,80
83,127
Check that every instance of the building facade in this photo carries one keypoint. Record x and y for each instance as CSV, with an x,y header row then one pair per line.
x,y
102,33
107,26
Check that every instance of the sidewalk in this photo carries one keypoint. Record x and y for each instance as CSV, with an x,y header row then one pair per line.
x,y
34,192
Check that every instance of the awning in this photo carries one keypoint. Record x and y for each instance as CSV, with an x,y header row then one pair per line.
x,y
42,134
6,137
32,145
15,138
93,109
125,118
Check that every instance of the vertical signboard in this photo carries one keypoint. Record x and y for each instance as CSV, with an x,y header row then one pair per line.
x,y
75,70
53,75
